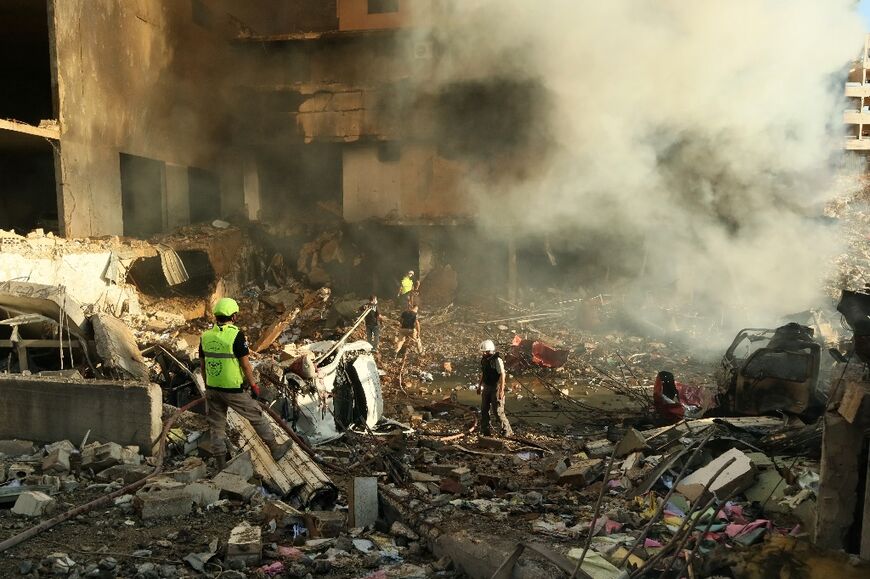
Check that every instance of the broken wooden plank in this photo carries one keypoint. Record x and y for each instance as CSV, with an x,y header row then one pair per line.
x,y
271,333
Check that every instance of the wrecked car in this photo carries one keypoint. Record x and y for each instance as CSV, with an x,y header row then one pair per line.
x,y
772,370
345,390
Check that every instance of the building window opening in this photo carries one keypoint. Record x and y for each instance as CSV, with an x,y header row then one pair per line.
x,y
383,6
143,182
205,195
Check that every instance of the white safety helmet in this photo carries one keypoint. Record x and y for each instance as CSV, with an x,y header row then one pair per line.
x,y
487,346
411,273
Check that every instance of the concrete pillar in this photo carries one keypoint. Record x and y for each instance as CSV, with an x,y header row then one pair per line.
x,y
177,207
838,480
251,185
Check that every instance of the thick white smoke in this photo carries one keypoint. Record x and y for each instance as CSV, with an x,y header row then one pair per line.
x,y
706,133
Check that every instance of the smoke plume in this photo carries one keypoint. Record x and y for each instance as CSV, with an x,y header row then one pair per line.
x,y
689,145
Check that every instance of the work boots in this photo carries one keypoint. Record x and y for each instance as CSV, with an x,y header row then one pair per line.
x,y
279,450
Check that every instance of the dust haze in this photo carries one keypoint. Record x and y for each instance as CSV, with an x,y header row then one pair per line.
x,y
690,146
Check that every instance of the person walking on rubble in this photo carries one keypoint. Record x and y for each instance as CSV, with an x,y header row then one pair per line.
x,y
373,322
409,330
223,359
408,288
491,386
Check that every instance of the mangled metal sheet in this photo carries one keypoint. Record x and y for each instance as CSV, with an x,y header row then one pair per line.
x,y
173,268
295,476
345,390
367,372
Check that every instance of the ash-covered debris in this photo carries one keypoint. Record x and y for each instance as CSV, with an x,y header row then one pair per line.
x,y
388,474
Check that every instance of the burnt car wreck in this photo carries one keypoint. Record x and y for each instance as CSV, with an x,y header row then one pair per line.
x,y
772,370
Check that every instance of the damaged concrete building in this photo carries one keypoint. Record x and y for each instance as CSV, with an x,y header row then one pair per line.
x,y
135,118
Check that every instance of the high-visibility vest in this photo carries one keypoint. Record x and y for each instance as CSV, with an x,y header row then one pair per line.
x,y
407,285
222,368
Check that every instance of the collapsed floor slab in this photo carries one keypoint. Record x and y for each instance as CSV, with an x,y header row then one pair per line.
x,y
47,409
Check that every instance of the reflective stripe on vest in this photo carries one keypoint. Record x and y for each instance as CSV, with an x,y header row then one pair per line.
x,y
222,369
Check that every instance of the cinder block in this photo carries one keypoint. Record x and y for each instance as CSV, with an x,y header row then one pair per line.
x,y
192,469
325,524
163,504
56,461
283,514
234,487
735,479
632,441
203,493
102,457
33,504
362,496
128,473
241,466
582,474
245,544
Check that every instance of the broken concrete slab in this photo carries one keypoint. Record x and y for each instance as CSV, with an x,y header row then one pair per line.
x,y
362,496
734,479
16,447
581,474
598,448
632,441
128,473
116,347
241,466
33,504
44,408
203,493
56,461
192,469
50,301
98,458
245,545
163,504
234,487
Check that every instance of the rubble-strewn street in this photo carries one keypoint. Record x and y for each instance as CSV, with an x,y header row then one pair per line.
x,y
389,475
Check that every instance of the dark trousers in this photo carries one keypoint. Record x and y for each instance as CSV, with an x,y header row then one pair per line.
x,y
489,401
373,335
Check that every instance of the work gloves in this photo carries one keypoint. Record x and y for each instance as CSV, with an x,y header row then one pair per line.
x,y
255,391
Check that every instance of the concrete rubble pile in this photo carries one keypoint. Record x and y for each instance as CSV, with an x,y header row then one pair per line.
x,y
388,475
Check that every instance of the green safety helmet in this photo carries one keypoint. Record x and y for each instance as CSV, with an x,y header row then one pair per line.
x,y
226,307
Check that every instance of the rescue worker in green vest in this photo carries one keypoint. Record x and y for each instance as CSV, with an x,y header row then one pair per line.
x,y
223,358
406,286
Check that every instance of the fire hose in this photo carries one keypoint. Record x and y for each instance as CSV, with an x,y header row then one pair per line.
x,y
74,512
